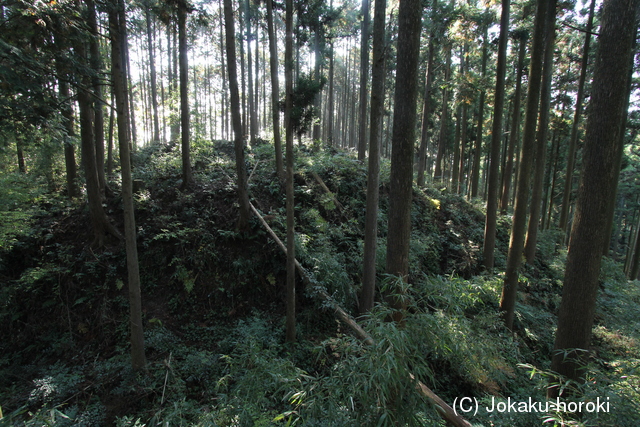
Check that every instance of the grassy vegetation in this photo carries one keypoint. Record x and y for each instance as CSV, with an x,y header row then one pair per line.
x,y
213,301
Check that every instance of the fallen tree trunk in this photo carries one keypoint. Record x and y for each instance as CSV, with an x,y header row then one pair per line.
x,y
338,311
443,409
326,190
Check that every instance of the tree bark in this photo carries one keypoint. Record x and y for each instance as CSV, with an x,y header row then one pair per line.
x,y
460,185
98,104
541,146
620,150
253,126
496,139
573,141
516,242
317,102
22,167
373,174
427,105
330,114
634,265
130,111
515,128
243,196
152,70
438,174
475,175
404,123
364,78
138,359
275,90
606,112
290,333
99,221
187,176
67,120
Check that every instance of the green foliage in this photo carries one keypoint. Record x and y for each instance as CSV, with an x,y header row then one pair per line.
x,y
19,197
304,94
213,308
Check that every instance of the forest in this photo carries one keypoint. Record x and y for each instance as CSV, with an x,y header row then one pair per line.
x,y
319,213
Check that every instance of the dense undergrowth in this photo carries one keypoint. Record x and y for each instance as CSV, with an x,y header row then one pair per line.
x,y
213,301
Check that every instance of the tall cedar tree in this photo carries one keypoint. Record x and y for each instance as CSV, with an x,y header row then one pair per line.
x,y
152,71
98,103
364,78
253,119
67,119
290,333
477,155
187,177
116,24
404,123
319,59
438,173
604,125
515,125
99,221
426,106
573,141
496,139
541,145
243,196
275,90
614,188
516,242
373,174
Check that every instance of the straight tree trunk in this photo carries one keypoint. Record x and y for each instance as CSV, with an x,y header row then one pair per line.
x,y
225,110
634,268
516,242
22,167
138,359
243,85
253,126
573,141
110,137
404,123
96,65
290,333
364,78
475,176
373,174
152,70
459,186
547,201
541,148
131,113
604,125
172,47
620,150
330,115
427,104
515,127
243,196
275,90
455,167
99,221
438,174
67,119
496,139
187,177
317,103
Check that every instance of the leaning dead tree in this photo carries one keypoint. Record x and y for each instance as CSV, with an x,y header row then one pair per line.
x,y
443,409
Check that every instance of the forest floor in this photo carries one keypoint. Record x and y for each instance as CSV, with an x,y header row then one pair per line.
x,y
213,308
